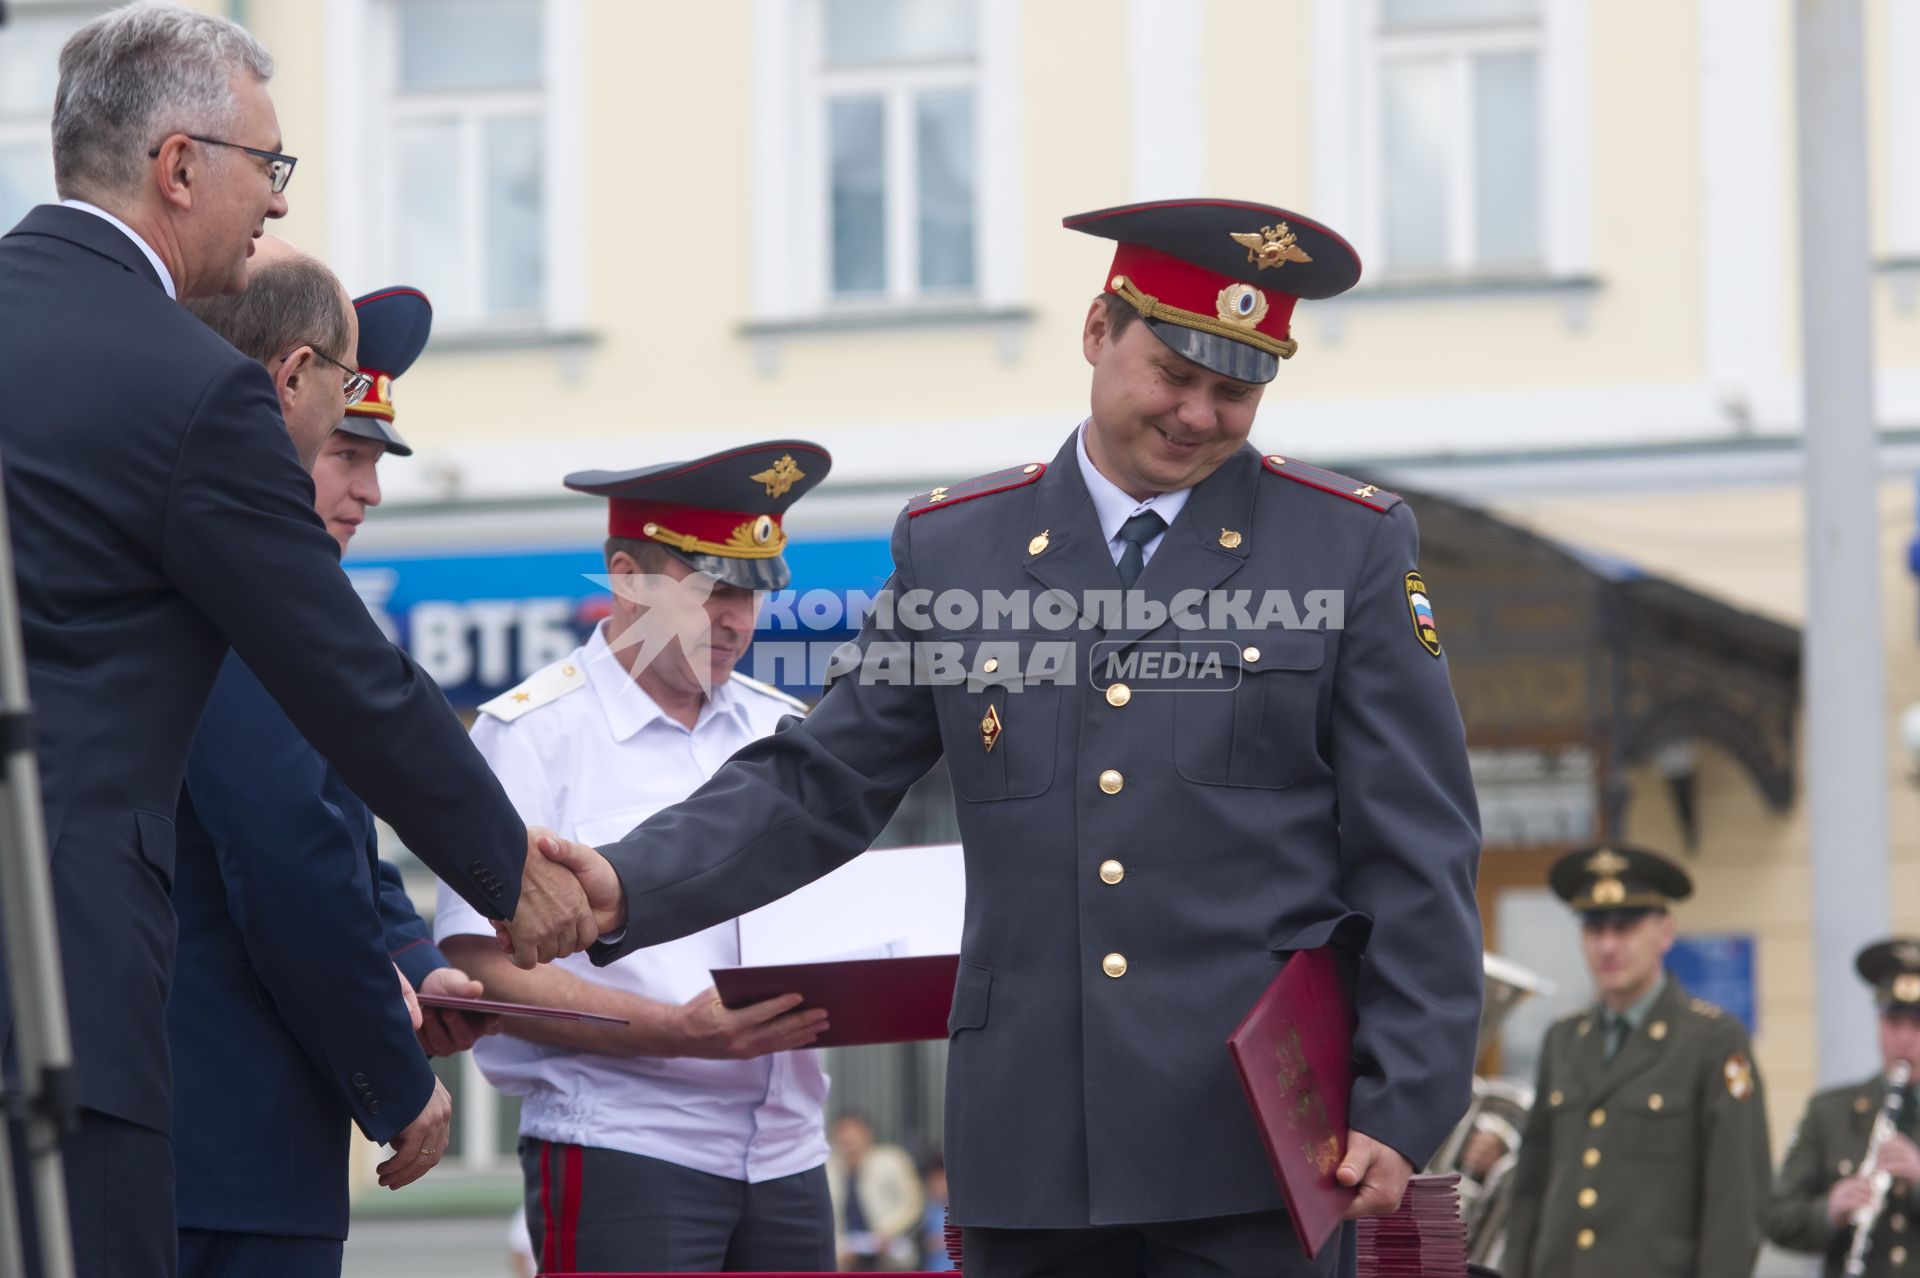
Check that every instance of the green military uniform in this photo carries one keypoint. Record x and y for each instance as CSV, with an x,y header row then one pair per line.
x,y
1653,1163
1831,1142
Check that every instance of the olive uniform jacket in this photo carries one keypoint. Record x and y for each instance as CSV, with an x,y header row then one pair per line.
x,y
1827,1147
1653,1164
1141,855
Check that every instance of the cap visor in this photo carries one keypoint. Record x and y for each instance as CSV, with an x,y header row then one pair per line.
x,y
748,574
1217,354
375,429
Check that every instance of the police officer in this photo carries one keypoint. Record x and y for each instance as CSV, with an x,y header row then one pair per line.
x,y
690,1139
1820,1186
1155,812
1645,1152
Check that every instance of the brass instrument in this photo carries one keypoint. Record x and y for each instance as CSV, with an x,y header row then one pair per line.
x,y
1499,1108
1867,1215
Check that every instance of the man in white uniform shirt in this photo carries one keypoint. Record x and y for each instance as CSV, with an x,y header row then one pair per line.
x,y
691,1139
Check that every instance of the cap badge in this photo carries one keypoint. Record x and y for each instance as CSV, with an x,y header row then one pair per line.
x,y
1230,539
1609,892
1241,305
1270,246
1906,988
383,388
781,476
990,728
1606,861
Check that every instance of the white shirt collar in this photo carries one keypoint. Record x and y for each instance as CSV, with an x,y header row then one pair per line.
x,y
628,707
159,267
1116,507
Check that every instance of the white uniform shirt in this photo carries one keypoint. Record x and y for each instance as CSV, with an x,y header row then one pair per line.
x,y
583,751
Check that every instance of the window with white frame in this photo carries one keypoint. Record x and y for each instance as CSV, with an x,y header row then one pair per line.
x,y
466,118
30,45
898,96
1457,146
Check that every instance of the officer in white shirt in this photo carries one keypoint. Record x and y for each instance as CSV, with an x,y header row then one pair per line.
x,y
691,1139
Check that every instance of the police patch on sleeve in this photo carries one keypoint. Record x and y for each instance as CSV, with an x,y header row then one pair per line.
x,y
1739,1076
1420,610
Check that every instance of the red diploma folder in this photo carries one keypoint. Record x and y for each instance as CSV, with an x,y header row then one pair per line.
x,y
882,1000
1294,1052
492,1007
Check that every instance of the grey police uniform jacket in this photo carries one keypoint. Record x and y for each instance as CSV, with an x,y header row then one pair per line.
x,y
1323,796
1654,1164
1827,1147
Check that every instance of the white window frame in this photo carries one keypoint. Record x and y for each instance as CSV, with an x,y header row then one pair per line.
x,y
361,107
15,130
793,190
1349,47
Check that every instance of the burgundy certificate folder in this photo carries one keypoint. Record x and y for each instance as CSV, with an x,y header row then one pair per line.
x,y
1294,1052
880,1000
492,1007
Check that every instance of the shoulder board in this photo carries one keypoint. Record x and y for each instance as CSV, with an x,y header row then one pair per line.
x,y
768,690
540,688
980,486
1328,481
1701,1007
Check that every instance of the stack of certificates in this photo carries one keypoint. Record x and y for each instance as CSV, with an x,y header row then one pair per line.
x,y
1423,1238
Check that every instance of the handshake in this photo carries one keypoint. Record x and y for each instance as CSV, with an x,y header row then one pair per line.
x,y
569,898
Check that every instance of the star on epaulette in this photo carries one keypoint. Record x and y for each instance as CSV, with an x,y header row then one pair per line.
x,y
540,688
999,481
1327,481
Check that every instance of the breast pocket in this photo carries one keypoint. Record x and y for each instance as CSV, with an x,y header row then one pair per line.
x,y
998,698
1655,1125
1261,732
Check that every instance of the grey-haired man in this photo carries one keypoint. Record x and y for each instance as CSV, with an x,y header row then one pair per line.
x,y
159,514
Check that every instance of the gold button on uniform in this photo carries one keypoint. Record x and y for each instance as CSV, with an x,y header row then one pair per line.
x,y
990,665
1114,965
1898,1222
1249,655
1119,694
1589,1196
1598,1118
1556,1097
1111,781
1655,1102
1846,1167
1584,1239
1591,1158
1898,1255
1657,1031
1112,871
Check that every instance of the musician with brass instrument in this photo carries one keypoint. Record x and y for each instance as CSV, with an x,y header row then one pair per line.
x,y
1645,1154
1824,1185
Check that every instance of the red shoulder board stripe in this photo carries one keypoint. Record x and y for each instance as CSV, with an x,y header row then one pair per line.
x,y
981,486
1328,481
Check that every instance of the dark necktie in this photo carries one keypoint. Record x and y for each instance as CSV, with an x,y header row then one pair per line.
x,y
1136,533
1616,1034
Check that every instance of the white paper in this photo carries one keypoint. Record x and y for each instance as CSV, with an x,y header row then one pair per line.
x,y
903,902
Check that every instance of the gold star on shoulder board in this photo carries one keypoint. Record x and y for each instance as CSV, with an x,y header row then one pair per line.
x,y
523,696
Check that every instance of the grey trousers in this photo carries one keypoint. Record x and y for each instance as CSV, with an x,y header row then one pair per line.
x,y
593,1210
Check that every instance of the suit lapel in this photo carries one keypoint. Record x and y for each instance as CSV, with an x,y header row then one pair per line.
x,y
1074,558
1588,1059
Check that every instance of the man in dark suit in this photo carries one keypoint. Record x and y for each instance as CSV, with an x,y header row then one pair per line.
x,y
158,512
286,1022
1192,700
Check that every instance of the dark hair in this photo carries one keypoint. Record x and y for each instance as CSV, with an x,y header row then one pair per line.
x,y
1120,313
647,556
295,301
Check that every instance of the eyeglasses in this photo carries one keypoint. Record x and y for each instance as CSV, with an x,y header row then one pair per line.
x,y
279,167
357,383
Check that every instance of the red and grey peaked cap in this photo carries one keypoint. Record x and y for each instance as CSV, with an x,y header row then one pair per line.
x,y
718,514
1216,280
394,325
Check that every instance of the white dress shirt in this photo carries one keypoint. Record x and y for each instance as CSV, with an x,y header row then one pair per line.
x,y
1115,507
591,763
159,267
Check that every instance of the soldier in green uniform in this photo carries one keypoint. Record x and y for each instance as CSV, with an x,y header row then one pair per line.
x,y
1646,1151
1820,1184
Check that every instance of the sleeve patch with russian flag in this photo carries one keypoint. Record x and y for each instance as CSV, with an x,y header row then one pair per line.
x,y
1420,609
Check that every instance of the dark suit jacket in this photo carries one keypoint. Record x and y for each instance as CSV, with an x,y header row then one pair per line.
x,y
1315,784
285,1018
158,513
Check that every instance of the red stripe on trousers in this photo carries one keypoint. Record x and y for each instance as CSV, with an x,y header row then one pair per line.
x,y
571,1207
549,1245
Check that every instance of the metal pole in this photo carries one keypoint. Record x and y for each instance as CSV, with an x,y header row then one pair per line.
x,y
1845,680
44,1104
